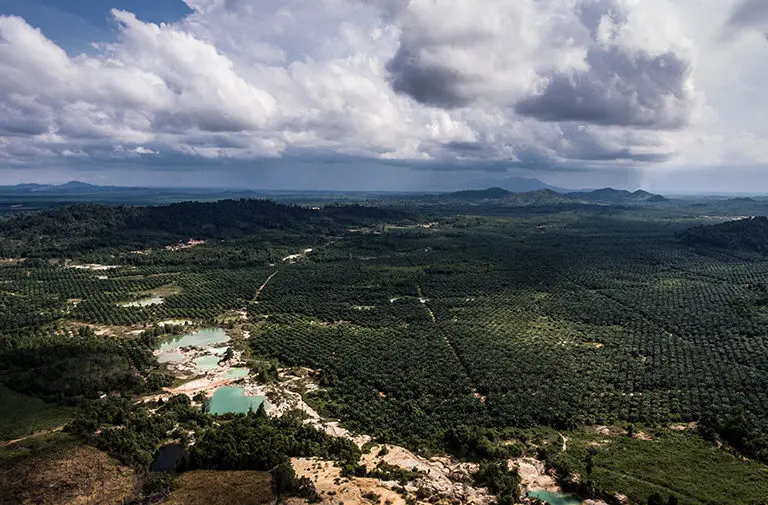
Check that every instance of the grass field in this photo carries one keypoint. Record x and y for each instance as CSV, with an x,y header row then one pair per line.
x,y
222,488
669,463
23,415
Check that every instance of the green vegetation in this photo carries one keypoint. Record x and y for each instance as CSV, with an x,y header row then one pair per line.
x,y
80,228
492,322
24,415
461,325
750,234
668,464
500,481
132,433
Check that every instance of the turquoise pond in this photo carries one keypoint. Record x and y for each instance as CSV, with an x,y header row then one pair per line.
x,y
207,362
202,338
236,373
233,400
554,498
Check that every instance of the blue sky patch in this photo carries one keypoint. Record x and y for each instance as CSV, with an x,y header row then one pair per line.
x,y
74,24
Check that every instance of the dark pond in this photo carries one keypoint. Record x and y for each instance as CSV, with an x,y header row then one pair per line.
x,y
168,458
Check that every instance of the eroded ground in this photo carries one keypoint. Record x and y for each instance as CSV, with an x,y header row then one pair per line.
x,y
72,474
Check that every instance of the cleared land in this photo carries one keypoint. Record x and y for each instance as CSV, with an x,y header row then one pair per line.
x,y
62,472
204,487
23,415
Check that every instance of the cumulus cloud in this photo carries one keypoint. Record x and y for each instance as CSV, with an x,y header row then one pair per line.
x,y
620,88
548,82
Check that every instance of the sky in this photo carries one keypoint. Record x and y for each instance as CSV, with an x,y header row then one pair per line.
x,y
385,94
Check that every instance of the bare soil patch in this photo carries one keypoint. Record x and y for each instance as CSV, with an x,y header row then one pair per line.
x,y
70,475
533,474
334,489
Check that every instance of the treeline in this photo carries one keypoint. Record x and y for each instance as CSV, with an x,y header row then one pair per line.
x,y
81,228
742,430
749,234
73,366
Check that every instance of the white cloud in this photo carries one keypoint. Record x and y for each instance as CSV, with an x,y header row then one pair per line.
x,y
583,82
79,153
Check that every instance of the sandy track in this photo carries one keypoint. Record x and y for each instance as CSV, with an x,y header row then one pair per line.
x,y
31,435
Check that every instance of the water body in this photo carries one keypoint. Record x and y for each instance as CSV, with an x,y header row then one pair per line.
x,y
236,373
202,338
233,400
554,497
207,362
168,458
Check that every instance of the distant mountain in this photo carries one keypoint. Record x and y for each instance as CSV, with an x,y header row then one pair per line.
x,y
478,194
69,187
77,185
28,187
512,184
538,198
551,197
610,195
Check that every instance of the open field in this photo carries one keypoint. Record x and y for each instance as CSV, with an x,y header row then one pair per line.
x,y
668,463
63,472
23,415
205,487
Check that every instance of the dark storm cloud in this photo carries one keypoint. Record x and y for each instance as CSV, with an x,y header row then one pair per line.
x,y
749,13
427,83
619,89
591,14
23,119
622,154
465,147
391,8
581,145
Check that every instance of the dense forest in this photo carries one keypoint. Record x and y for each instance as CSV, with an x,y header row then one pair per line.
x,y
67,231
748,234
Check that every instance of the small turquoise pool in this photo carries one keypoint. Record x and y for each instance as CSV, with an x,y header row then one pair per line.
x,y
202,338
554,498
228,400
236,373
207,362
